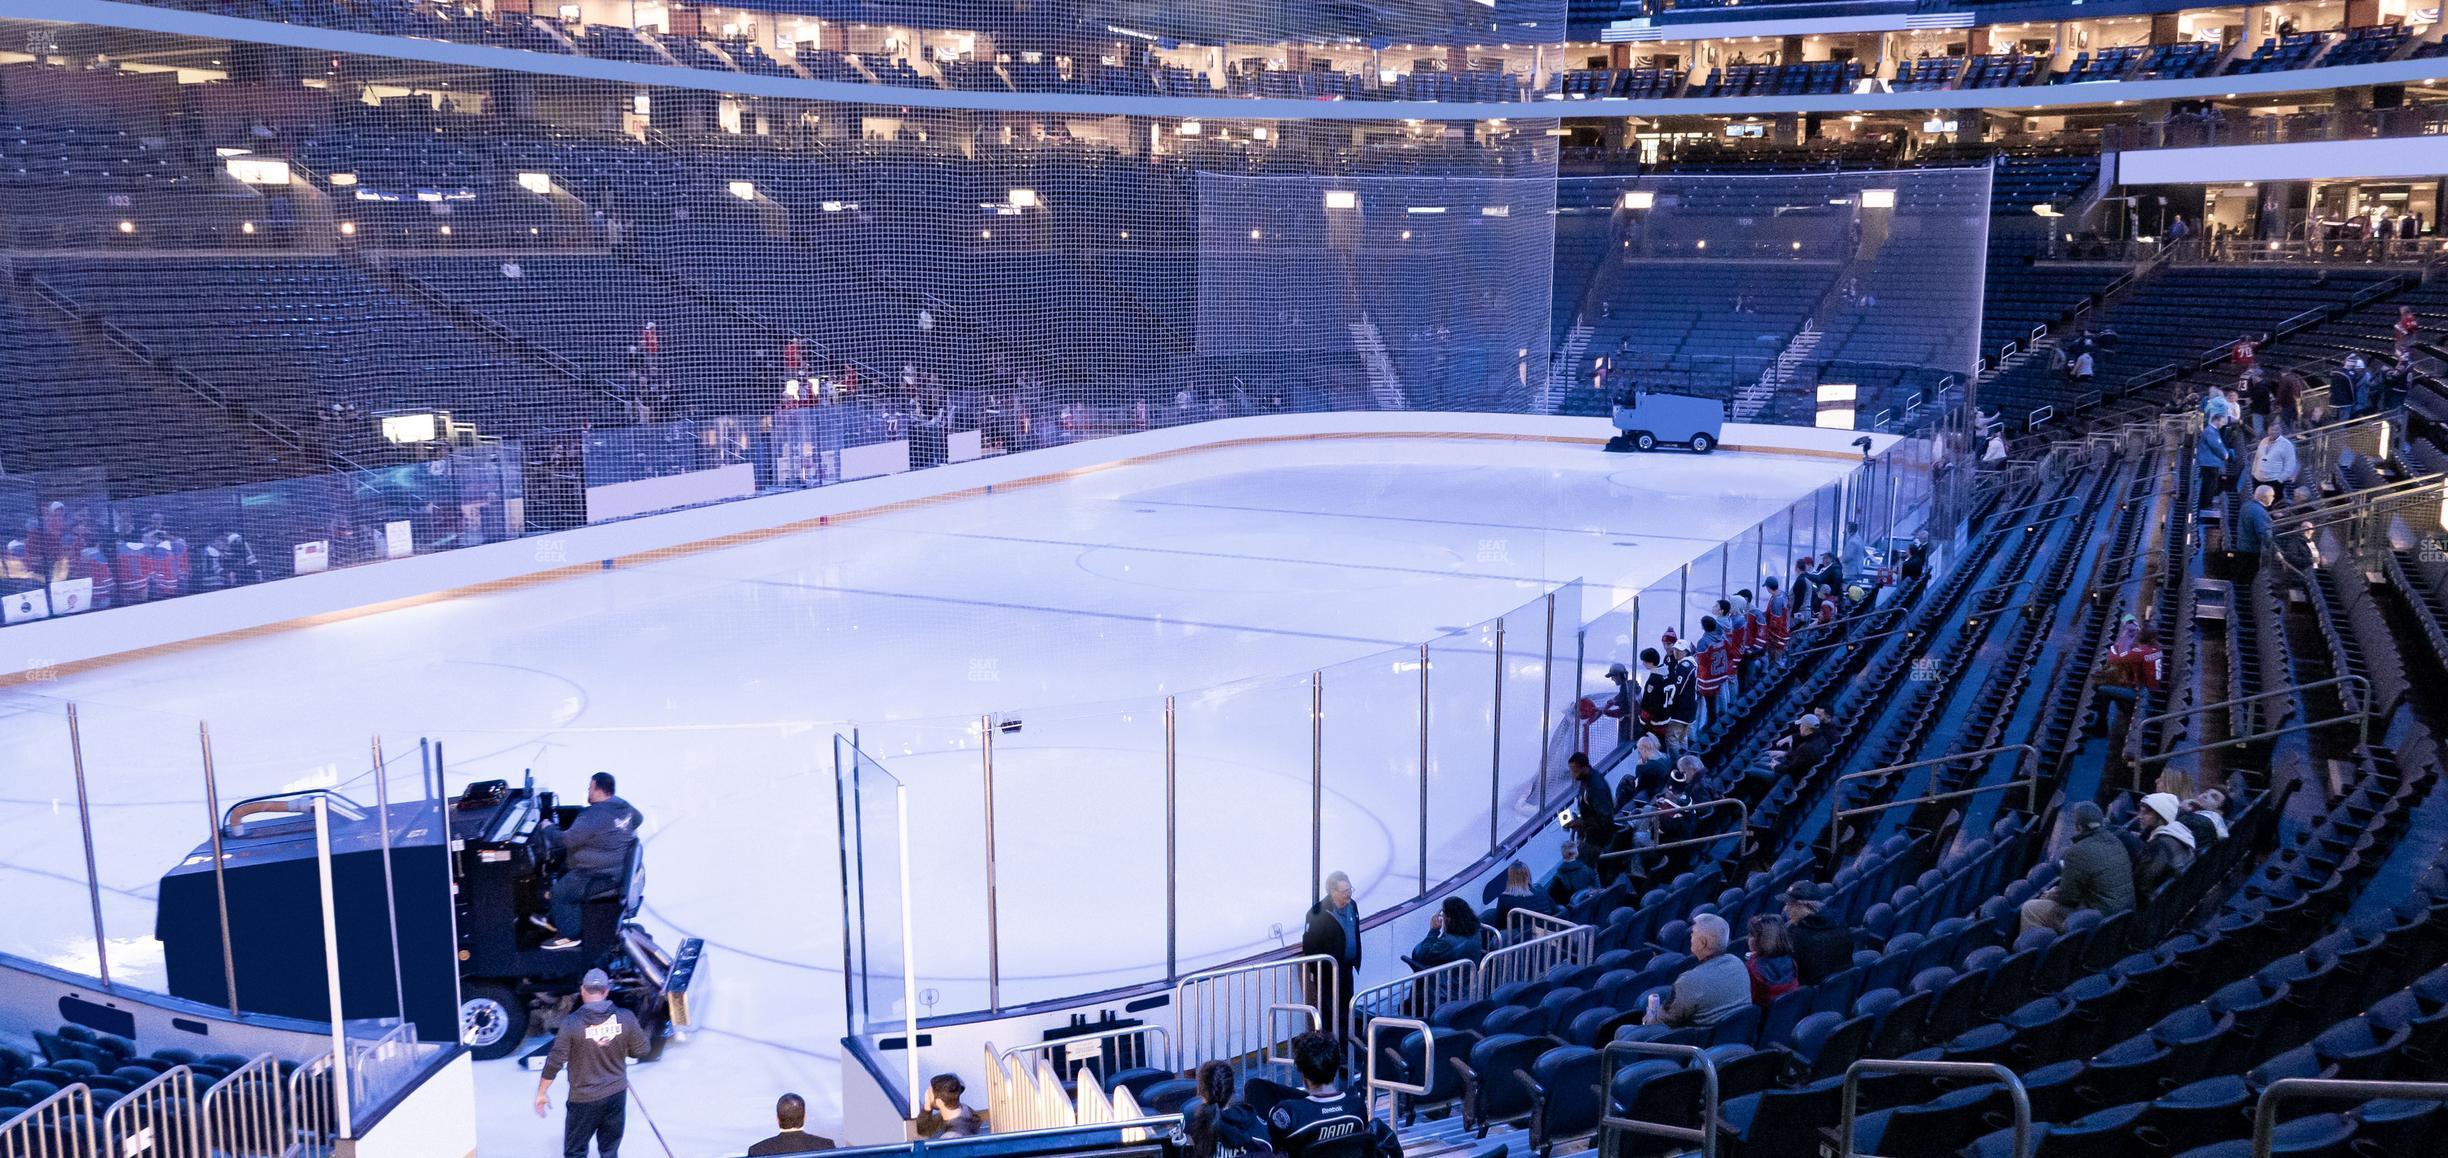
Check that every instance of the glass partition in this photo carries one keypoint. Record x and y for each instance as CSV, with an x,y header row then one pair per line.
x,y
1372,821
1249,751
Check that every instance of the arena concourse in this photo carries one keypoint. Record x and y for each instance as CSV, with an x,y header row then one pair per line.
x,y
1428,579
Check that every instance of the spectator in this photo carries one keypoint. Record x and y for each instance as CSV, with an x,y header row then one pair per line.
x,y
2211,457
2406,330
1856,548
1453,935
2120,679
1620,706
945,1116
790,1119
1916,562
1218,1124
1770,960
2206,815
1650,768
1803,594
1821,947
1993,455
2251,535
2081,369
1333,930
2218,401
2094,873
1573,875
1830,578
1683,705
1776,616
2286,400
1809,747
1331,1122
2167,846
1714,670
1593,819
1656,693
1519,893
1715,988
2273,462
595,1044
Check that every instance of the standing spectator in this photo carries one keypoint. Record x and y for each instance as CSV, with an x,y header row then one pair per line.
x,y
1715,988
1713,669
945,1116
1683,704
1453,935
1217,1124
2094,873
1620,706
2251,535
1821,947
1656,693
1916,562
2286,400
2257,401
2211,458
1333,930
1770,960
595,1044
2273,462
2080,370
2217,401
650,343
2117,684
1593,819
1856,548
1331,1122
2167,846
1776,618
790,1120
2407,329
2242,354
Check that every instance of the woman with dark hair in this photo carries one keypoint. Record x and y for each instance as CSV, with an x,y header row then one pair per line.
x,y
1453,935
1771,959
1215,1125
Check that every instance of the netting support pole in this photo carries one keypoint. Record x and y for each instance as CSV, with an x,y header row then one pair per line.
x,y
1496,740
93,880
212,806
1317,783
1423,770
1546,732
382,811
341,1101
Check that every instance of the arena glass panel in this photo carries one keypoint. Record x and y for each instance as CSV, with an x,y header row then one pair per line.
x,y
1249,751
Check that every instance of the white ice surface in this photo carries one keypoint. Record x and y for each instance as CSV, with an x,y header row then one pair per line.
x,y
714,683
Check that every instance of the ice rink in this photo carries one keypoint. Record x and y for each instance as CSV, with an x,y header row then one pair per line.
x,y
713,684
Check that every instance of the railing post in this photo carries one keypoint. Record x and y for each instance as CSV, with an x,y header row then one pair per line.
x,y
1317,783
1496,739
382,810
1546,732
994,939
1172,852
1423,770
341,1108
93,879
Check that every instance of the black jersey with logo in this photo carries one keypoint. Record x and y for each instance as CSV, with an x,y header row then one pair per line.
x,y
1336,1125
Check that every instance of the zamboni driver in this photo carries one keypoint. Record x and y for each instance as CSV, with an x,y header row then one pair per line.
x,y
597,845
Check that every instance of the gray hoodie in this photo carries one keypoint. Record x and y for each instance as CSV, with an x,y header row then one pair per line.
x,y
595,1042
600,839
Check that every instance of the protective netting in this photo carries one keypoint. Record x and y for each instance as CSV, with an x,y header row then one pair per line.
x,y
1436,285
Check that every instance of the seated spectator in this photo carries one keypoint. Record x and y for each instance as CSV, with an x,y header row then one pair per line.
x,y
1572,876
1453,935
2094,873
1217,1124
2206,815
1519,893
2120,678
790,1117
945,1116
1809,747
1771,960
1821,947
1331,1122
1709,992
1650,767
2167,846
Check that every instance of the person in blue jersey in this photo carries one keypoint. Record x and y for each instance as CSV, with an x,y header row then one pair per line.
x,y
1331,1122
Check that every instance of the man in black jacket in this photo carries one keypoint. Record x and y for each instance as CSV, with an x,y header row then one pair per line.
x,y
1333,930
1821,947
596,851
1593,807
790,1117
596,1043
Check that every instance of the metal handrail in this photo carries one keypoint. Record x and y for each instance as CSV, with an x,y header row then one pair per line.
x,y
1066,1044
1693,1055
1991,1070
1408,986
1742,825
1563,944
1537,924
2030,778
2265,1108
1371,1083
2349,502
2256,697
158,1117
1316,1022
1318,975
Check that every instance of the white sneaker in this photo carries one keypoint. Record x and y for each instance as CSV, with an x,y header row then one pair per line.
x,y
557,944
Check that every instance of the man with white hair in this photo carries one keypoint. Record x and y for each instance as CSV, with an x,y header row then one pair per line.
x,y
1333,930
1715,988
